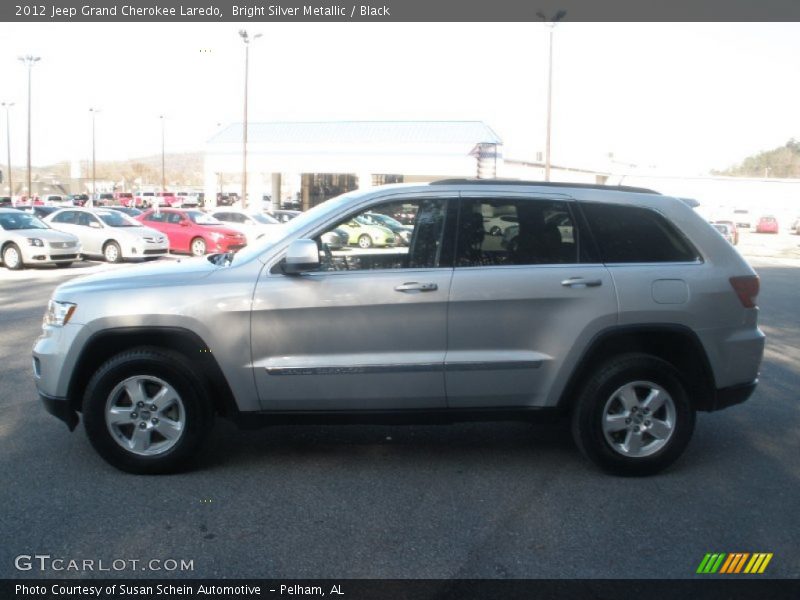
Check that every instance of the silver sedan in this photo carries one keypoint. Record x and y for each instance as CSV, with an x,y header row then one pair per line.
x,y
26,240
110,234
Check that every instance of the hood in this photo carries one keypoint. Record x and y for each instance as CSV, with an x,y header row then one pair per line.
x,y
147,275
49,235
139,232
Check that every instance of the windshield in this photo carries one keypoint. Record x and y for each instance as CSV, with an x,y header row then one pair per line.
x,y
117,219
14,222
202,218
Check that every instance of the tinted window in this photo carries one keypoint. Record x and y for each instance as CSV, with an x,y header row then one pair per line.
x,y
359,243
158,217
515,232
630,234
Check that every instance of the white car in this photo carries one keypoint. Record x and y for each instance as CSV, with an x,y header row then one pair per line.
x,y
253,225
110,234
26,240
497,225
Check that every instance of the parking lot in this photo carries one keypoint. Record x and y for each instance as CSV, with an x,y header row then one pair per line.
x,y
502,500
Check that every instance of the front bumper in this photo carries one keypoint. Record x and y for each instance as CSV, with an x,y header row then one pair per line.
x,y
730,396
46,254
59,407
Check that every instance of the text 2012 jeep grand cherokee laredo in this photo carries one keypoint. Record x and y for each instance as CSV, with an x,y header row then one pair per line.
x,y
618,306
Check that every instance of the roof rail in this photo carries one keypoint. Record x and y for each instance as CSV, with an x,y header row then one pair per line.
x,y
555,184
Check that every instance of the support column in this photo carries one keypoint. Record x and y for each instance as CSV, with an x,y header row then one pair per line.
x,y
210,185
364,180
276,191
305,188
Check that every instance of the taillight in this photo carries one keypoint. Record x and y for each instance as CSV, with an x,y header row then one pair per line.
x,y
746,288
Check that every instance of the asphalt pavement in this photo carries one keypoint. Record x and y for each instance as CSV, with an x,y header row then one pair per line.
x,y
498,500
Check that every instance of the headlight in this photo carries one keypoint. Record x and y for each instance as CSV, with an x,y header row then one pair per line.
x,y
35,242
59,313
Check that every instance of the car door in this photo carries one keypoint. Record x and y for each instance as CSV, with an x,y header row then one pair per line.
x,y
519,307
92,231
66,220
365,331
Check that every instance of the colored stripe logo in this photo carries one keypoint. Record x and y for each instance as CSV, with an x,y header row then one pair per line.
x,y
734,563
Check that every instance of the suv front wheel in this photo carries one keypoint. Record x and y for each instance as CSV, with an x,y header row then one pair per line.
x,y
633,416
146,411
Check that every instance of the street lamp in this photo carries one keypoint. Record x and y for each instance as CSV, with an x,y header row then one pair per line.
x,y
246,39
163,172
7,106
94,112
29,61
551,24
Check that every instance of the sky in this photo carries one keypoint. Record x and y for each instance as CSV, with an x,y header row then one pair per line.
x,y
684,98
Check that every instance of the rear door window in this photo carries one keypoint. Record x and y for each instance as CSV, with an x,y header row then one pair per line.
x,y
516,232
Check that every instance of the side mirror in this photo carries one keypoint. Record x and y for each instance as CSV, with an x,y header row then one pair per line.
x,y
301,256
95,224
184,223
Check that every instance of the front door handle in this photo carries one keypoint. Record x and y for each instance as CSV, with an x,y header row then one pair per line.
x,y
581,282
413,286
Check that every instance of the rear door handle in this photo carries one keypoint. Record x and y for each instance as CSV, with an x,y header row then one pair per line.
x,y
413,286
581,282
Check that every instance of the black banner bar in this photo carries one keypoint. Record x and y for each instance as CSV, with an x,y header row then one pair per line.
x,y
733,588
396,10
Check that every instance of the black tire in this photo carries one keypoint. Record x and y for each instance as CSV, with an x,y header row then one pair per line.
x,y
364,241
112,252
12,255
175,370
196,245
589,410
63,265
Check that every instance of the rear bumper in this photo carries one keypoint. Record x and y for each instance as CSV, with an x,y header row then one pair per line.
x,y
59,407
730,396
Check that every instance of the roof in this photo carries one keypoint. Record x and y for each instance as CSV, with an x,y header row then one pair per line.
x,y
321,132
554,184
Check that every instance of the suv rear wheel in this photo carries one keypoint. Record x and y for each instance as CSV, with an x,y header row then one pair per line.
x,y
633,416
146,411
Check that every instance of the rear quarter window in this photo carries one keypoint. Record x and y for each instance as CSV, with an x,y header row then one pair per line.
x,y
632,234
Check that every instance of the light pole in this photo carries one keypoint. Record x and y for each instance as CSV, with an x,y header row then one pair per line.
x,y
246,39
94,112
29,61
163,171
7,106
551,24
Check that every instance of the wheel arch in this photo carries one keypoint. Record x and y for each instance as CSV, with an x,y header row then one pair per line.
x,y
107,343
676,344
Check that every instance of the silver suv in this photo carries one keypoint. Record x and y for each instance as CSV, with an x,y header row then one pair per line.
x,y
617,307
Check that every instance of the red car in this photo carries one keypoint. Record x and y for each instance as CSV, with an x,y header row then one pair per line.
x,y
767,225
193,231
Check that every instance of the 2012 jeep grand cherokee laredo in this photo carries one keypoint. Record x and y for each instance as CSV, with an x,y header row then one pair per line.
x,y
619,307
